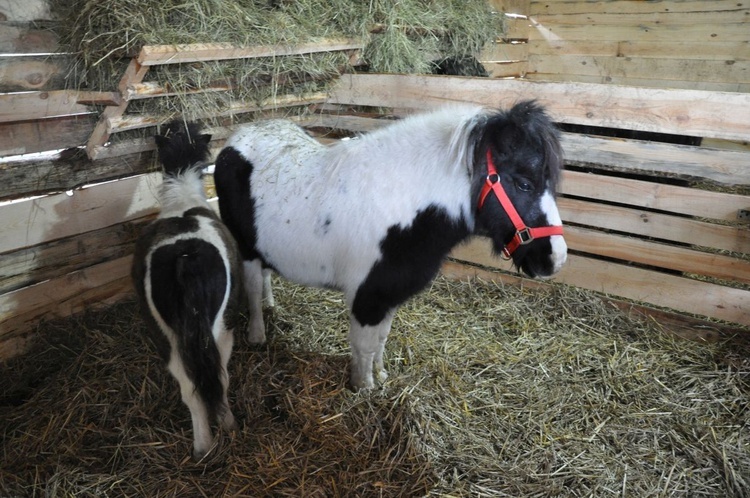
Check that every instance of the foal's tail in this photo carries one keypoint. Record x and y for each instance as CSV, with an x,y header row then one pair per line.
x,y
182,147
200,289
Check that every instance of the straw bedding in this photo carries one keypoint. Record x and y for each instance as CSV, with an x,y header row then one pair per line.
x,y
494,391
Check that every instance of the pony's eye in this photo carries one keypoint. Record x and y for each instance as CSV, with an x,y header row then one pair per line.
x,y
524,185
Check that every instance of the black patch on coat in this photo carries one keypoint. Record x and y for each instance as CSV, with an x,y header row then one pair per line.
x,y
411,257
189,284
236,206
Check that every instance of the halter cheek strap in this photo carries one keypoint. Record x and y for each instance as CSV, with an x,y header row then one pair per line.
x,y
524,235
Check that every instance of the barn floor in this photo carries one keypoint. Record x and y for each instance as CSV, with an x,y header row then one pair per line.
x,y
494,391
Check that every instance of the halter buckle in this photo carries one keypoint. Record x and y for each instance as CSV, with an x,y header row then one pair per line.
x,y
524,236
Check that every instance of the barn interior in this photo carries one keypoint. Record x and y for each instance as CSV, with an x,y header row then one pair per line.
x,y
628,374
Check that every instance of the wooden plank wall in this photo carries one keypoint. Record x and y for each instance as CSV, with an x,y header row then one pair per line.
x,y
697,44
640,221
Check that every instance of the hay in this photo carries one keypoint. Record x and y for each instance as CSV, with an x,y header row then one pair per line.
x,y
400,35
493,391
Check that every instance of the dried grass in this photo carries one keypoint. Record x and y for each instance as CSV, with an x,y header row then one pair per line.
x,y
494,391
103,35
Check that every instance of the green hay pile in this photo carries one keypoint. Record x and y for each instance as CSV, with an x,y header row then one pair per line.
x,y
493,391
399,36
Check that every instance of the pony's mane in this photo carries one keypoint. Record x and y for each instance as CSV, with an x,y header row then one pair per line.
x,y
448,128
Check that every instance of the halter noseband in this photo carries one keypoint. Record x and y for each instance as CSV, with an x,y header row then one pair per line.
x,y
524,235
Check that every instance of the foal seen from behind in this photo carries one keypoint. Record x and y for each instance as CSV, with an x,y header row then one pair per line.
x,y
375,217
186,275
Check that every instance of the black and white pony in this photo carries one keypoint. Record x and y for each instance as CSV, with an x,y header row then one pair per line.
x,y
186,271
374,217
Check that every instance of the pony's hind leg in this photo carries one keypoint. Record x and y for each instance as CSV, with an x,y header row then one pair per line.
x,y
253,282
368,344
199,413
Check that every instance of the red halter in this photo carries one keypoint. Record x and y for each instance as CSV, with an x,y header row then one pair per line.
x,y
524,234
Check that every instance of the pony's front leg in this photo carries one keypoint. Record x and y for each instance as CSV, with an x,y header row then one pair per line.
x,y
368,344
268,299
253,281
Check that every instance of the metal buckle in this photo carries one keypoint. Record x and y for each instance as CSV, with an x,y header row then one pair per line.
x,y
524,236
493,178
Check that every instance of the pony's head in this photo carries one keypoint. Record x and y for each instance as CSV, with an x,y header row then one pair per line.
x,y
517,163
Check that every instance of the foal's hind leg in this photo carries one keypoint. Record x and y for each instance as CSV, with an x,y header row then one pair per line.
x,y
199,413
224,343
368,344
253,282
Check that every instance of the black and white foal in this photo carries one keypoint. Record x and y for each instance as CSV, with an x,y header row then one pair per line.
x,y
186,274
374,217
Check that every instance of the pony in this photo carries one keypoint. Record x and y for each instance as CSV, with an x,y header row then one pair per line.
x,y
186,272
374,217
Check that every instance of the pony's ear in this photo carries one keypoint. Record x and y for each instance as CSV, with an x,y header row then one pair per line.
x,y
204,139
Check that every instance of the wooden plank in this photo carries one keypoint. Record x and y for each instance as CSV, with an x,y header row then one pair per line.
x,y
151,55
577,7
633,250
25,39
684,49
150,89
516,28
134,74
656,288
133,122
34,221
504,52
727,167
723,87
651,32
720,71
43,262
658,226
75,169
26,137
656,16
682,112
39,105
519,7
95,287
656,196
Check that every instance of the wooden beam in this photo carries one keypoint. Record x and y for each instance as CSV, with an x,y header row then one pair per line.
x,y
656,196
134,74
52,260
95,287
726,167
35,221
644,252
655,225
152,55
39,105
683,112
38,135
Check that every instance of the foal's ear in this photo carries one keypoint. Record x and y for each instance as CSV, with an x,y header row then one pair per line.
x,y
161,140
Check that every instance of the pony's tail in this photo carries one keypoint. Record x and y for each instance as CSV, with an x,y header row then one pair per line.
x,y
182,147
200,276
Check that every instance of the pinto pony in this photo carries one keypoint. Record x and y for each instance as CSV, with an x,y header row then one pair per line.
x,y
374,217
186,271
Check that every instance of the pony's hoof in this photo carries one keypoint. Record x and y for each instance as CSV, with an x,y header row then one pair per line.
x,y
382,376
